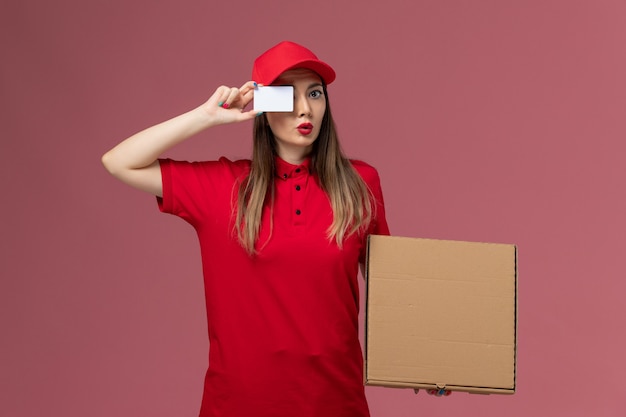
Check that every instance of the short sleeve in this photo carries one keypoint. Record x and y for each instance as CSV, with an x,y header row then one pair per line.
x,y
378,226
195,191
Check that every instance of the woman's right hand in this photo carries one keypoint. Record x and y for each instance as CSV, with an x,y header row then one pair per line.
x,y
228,104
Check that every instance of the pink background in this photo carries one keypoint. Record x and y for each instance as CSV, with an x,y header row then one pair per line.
x,y
489,120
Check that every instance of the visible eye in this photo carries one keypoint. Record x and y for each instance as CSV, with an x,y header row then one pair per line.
x,y
316,94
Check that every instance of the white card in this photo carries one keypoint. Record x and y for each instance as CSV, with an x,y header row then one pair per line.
x,y
273,98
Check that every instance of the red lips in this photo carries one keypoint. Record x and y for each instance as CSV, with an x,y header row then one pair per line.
x,y
305,128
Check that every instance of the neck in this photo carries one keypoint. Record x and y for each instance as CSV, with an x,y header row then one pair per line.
x,y
295,155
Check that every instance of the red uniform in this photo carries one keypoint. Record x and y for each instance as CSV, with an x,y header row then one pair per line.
x,y
283,324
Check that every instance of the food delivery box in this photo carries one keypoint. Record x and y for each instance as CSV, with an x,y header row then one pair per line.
x,y
441,314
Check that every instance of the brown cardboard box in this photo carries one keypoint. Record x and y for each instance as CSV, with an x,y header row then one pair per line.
x,y
441,314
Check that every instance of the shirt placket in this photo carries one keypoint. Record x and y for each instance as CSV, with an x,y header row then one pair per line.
x,y
298,184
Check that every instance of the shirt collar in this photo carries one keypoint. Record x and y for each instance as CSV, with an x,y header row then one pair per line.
x,y
286,170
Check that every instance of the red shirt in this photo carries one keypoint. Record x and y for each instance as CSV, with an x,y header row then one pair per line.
x,y
283,324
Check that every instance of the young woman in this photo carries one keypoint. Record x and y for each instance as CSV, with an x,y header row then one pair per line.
x,y
281,237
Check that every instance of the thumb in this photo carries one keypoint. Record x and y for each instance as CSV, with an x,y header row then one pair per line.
x,y
251,114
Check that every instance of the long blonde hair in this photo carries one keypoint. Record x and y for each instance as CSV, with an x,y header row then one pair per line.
x,y
351,200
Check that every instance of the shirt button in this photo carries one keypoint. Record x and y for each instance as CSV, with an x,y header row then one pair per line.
x,y
297,170
285,176
298,212
297,188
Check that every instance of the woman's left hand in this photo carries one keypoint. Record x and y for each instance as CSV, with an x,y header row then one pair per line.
x,y
435,392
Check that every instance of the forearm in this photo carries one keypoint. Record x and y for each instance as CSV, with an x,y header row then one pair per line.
x,y
144,148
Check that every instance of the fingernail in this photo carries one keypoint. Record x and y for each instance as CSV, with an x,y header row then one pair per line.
x,y
225,105
220,104
255,84
259,113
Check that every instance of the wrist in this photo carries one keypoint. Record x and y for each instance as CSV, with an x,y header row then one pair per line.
x,y
203,119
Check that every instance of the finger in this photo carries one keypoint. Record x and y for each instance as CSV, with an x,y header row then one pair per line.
x,y
247,97
439,392
233,95
251,114
221,95
248,86
247,92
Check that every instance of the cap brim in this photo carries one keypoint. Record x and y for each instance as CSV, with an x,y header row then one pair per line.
x,y
322,69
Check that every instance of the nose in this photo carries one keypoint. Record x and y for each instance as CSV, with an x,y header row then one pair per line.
x,y
301,106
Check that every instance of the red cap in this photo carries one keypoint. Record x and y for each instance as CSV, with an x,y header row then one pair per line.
x,y
285,56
